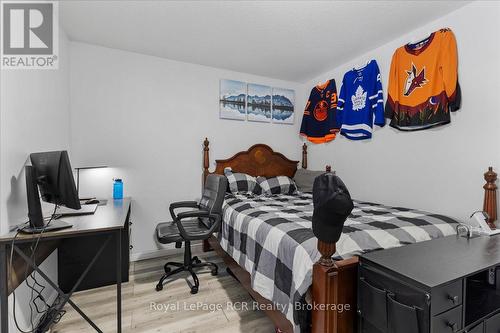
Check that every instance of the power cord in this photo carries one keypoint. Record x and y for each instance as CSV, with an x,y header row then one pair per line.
x,y
39,296
32,302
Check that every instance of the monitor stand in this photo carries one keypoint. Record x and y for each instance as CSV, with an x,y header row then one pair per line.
x,y
53,226
37,224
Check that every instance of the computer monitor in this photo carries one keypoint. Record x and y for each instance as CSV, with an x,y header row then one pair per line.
x,y
51,174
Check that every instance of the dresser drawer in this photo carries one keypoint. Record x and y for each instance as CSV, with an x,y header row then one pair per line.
x,y
446,297
448,322
493,324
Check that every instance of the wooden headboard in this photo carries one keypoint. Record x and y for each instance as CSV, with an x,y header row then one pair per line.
x,y
258,160
262,160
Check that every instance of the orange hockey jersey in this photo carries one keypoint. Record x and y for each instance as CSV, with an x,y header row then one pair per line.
x,y
423,83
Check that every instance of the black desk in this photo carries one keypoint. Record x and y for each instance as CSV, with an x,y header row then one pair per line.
x,y
434,286
108,223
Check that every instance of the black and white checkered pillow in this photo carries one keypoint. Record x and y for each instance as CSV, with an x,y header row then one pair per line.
x,y
277,185
241,182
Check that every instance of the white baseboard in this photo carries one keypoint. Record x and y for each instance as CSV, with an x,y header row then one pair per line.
x,y
137,256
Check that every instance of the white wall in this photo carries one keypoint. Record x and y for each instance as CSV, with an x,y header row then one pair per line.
x,y
34,117
440,169
146,117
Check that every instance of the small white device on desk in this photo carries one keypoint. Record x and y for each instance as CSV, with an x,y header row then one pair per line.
x,y
478,223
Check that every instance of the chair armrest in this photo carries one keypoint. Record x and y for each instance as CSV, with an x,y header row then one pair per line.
x,y
181,204
194,213
215,218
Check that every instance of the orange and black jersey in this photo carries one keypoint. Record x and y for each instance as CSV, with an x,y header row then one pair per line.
x,y
423,83
319,121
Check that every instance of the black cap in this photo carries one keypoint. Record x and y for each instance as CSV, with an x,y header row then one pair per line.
x,y
332,206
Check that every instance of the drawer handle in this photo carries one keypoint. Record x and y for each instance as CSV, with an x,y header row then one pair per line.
x,y
453,326
454,299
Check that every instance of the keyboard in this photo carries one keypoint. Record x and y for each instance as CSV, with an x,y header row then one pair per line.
x,y
85,210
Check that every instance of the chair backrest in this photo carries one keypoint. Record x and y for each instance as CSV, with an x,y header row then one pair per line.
x,y
213,193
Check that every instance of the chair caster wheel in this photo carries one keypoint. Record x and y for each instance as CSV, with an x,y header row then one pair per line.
x,y
196,260
194,290
159,287
214,272
167,269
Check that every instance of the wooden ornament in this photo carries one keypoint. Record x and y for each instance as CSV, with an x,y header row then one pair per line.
x,y
490,196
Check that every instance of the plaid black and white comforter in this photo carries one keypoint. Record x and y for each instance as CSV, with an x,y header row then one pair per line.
x,y
272,238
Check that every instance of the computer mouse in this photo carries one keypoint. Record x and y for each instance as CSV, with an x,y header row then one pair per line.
x,y
91,202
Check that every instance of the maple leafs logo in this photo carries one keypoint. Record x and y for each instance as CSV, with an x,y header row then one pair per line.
x,y
414,80
359,99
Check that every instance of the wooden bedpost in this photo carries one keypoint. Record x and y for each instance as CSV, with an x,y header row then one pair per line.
x,y
490,196
206,159
304,156
323,289
326,250
334,292
206,164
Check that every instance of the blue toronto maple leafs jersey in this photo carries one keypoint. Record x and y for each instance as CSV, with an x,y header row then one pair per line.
x,y
360,101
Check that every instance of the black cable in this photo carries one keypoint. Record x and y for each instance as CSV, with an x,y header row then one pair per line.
x,y
33,275
33,250
38,292
35,282
480,211
13,290
61,312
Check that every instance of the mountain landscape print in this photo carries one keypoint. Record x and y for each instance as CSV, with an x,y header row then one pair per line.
x,y
232,99
283,106
258,102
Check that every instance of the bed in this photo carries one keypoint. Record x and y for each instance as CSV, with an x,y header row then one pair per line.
x,y
268,245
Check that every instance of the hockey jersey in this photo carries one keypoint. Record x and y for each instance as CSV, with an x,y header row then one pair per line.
x,y
319,120
423,83
360,102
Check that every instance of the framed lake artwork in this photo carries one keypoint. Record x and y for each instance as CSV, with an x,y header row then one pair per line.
x,y
283,106
232,99
259,102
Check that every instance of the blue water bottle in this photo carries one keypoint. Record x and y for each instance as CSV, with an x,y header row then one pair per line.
x,y
117,189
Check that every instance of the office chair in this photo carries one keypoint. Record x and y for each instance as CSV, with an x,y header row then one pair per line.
x,y
197,224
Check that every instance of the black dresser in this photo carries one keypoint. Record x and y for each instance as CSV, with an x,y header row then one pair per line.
x,y
445,285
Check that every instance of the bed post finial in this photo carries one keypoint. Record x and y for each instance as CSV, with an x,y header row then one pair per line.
x,y
327,250
490,196
206,160
304,156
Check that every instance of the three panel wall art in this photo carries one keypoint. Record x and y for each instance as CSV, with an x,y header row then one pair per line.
x,y
256,102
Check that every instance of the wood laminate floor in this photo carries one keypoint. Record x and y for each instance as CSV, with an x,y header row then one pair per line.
x,y
145,310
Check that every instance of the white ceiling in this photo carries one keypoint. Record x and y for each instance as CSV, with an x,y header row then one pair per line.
x,y
289,40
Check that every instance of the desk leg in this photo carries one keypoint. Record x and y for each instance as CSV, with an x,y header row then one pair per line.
x,y
4,294
119,281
